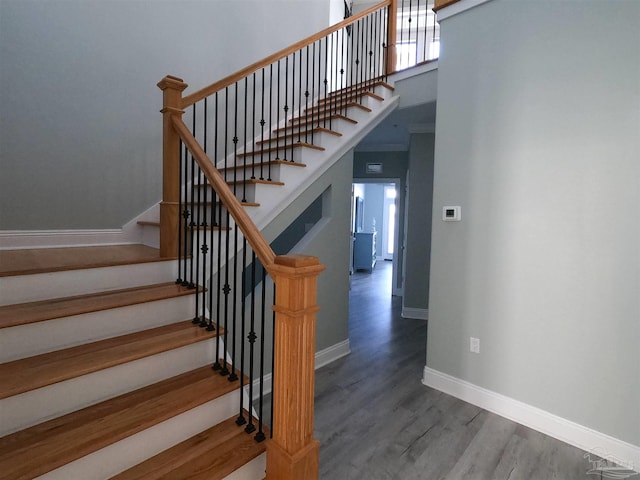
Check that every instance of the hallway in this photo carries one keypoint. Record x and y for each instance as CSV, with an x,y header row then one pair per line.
x,y
375,420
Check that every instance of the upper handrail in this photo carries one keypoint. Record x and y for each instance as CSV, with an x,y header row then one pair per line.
x,y
440,4
263,250
189,100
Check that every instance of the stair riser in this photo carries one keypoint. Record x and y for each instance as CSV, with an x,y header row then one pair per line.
x,y
365,101
151,236
130,451
318,138
42,337
30,408
282,153
257,172
343,126
254,470
30,288
380,90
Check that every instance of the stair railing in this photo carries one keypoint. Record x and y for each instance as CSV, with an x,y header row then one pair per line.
x,y
417,38
224,255
280,104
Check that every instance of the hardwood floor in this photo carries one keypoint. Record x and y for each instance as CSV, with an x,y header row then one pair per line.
x,y
376,421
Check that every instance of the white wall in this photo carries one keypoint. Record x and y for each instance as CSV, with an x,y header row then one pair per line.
x,y
80,131
538,139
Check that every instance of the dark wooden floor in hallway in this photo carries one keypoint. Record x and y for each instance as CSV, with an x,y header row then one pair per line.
x,y
376,421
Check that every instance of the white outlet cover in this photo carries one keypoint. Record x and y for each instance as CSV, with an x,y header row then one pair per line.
x,y
474,345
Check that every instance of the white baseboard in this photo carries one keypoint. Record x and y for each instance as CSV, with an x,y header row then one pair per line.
x,y
332,353
417,313
565,430
323,358
16,240
130,233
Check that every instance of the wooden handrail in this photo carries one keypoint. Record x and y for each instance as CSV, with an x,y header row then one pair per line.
x,y
260,246
245,72
440,4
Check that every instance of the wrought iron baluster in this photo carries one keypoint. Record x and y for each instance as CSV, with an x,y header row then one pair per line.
x,y
273,356
205,247
263,313
262,123
286,107
251,337
271,116
293,104
300,112
191,223
181,257
326,78
278,117
234,310
253,130
246,145
243,317
343,80
306,99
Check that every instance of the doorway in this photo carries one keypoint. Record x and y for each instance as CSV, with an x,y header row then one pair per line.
x,y
375,210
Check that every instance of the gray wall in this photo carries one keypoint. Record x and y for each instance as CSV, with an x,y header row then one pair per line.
x,y
538,139
394,165
80,131
329,241
416,287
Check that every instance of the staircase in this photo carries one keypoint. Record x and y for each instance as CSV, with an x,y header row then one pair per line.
x,y
103,373
98,382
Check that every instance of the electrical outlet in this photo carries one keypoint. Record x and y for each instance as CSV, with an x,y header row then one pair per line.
x,y
474,345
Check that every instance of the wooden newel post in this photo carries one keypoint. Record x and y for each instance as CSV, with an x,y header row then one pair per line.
x,y
292,454
172,88
392,34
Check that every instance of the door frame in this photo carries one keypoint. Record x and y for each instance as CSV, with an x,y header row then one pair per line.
x,y
399,223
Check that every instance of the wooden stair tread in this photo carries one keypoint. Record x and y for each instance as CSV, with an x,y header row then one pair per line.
x,y
317,120
211,455
349,96
254,181
339,105
296,144
264,164
45,260
49,445
216,227
32,312
302,132
30,373
366,86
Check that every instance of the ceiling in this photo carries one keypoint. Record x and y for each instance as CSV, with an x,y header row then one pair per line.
x,y
394,131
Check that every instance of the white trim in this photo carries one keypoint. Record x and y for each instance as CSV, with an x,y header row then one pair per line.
x,y
332,353
565,430
21,239
413,71
323,358
457,8
417,313
131,233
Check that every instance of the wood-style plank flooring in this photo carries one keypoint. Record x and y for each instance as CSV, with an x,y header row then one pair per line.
x,y
375,420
